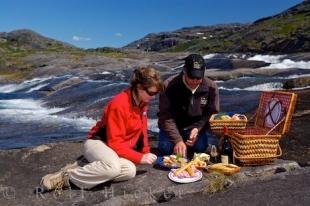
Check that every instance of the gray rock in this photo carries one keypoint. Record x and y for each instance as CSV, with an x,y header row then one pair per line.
x,y
297,82
227,63
22,169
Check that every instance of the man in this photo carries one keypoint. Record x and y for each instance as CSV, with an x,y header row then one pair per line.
x,y
185,106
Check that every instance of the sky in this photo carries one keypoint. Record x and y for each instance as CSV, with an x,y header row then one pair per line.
x,y
116,23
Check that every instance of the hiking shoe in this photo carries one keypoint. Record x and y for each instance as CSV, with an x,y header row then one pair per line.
x,y
55,181
58,180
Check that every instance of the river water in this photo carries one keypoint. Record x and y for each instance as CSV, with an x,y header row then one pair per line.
x,y
31,113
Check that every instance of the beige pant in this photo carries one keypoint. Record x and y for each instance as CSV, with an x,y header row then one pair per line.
x,y
104,165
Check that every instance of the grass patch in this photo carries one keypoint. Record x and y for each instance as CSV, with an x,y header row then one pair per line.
x,y
181,47
13,75
108,52
217,182
286,25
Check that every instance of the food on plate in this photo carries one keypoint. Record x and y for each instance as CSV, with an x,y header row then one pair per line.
x,y
190,169
174,161
187,169
189,172
186,166
201,160
200,164
227,169
202,156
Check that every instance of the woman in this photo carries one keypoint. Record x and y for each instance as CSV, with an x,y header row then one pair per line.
x,y
118,141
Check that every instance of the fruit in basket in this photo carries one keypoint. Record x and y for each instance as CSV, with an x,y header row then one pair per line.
x,y
228,116
235,117
238,117
225,117
218,116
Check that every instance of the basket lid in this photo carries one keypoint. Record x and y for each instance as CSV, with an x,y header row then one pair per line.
x,y
276,110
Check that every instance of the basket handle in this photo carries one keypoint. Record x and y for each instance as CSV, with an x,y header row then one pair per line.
x,y
279,151
274,127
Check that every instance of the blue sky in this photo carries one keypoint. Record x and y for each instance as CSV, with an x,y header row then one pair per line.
x,y
115,23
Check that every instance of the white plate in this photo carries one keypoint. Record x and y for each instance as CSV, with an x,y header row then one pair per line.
x,y
186,179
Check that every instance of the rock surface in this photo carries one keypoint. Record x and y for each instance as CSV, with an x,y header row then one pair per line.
x,y
298,82
22,169
282,189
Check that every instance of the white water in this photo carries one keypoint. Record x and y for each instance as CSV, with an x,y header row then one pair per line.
x,y
36,87
280,62
209,56
276,61
287,64
260,87
105,72
26,84
265,86
267,58
29,110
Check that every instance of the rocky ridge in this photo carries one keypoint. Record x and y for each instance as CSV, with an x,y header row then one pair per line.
x,y
287,32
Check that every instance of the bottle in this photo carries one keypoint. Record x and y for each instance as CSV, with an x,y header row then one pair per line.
x,y
208,151
226,148
213,154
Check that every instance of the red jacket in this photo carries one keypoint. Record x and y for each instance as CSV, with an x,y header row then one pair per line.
x,y
124,122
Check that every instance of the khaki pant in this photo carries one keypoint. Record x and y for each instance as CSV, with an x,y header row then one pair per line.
x,y
104,165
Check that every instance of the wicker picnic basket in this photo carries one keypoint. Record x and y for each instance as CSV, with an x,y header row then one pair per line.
x,y
259,145
230,124
252,147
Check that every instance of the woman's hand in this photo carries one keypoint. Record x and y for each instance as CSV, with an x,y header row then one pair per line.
x,y
180,148
148,158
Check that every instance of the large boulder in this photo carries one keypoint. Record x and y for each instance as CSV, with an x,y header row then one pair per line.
x,y
227,63
297,83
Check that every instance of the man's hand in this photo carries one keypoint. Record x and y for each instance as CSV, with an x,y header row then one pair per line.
x,y
180,148
192,137
148,158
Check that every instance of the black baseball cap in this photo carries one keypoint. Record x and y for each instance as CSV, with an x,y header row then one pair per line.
x,y
195,66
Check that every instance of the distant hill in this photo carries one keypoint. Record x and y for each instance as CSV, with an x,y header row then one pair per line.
x,y
25,39
286,32
18,44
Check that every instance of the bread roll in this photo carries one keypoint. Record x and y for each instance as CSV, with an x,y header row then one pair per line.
x,y
227,169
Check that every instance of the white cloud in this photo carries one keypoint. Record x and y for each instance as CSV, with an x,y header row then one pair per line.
x,y
79,38
118,34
